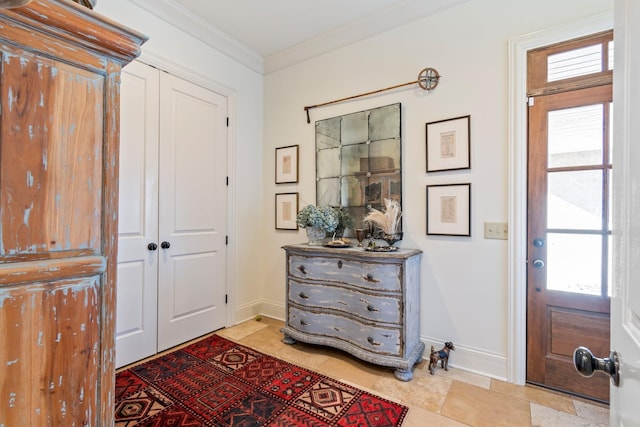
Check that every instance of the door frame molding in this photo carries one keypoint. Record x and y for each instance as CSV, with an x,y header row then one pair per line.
x,y
165,64
517,173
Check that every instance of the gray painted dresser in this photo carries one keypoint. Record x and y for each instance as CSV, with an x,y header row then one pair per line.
x,y
365,303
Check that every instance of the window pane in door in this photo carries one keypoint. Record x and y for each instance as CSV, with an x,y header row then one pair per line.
x,y
609,266
575,136
574,200
574,63
574,263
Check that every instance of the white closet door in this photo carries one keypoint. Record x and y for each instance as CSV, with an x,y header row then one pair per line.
x,y
192,214
136,311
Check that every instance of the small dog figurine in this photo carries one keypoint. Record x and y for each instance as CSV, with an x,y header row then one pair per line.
x,y
442,356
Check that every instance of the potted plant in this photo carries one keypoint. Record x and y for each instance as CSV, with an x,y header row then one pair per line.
x,y
345,221
387,222
318,221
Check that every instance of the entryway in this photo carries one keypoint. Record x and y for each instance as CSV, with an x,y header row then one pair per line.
x,y
569,210
173,213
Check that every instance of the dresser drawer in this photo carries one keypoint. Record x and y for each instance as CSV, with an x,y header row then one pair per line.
x,y
386,277
377,308
374,339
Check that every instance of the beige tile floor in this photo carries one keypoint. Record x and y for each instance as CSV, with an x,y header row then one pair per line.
x,y
447,398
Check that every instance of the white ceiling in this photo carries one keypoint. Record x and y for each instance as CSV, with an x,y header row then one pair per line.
x,y
270,34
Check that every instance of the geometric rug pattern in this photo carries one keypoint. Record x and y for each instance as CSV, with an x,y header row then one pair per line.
x,y
216,382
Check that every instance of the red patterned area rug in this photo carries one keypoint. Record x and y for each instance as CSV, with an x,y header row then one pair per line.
x,y
216,382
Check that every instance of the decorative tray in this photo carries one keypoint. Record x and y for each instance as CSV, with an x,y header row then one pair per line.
x,y
382,249
336,245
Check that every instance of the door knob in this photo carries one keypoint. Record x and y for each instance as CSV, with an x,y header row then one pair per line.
x,y
152,246
165,245
587,364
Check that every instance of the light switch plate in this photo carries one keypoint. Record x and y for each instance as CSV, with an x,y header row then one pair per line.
x,y
496,230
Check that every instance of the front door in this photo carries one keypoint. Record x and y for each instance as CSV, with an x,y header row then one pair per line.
x,y
625,301
569,230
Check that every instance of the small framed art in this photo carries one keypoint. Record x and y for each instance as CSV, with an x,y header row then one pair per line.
x,y
287,164
449,209
448,144
286,211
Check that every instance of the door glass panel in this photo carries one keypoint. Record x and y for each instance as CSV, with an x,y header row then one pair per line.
x,y
609,266
574,200
574,263
575,136
574,63
610,129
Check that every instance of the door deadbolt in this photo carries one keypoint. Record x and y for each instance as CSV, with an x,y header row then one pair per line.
x,y
538,263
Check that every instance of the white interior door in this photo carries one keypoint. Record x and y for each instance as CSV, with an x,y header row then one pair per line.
x,y
136,310
192,214
625,302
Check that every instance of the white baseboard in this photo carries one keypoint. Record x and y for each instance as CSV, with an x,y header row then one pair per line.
x,y
274,310
264,308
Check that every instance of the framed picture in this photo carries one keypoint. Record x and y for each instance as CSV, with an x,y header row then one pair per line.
x,y
449,144
286,211
287,164
449,209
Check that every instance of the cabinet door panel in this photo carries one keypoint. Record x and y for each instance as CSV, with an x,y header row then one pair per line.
x,y
50,164
47,327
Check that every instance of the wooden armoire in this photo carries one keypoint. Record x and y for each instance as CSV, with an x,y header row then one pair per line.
x,y
59,136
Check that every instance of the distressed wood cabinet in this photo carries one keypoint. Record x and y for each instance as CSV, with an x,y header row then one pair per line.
x,y
365,303
59,132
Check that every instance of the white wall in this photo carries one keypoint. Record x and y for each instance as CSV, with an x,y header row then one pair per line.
x,y
171,49
464,280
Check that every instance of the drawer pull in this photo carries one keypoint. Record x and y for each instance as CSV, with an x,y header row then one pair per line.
x,y
340,264
369,278
372,342
303,295
371,308
303,323
302,269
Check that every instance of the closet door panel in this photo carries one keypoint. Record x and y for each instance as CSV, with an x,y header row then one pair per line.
x,y
136,316
192,214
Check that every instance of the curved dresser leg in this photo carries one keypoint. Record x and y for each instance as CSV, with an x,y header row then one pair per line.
x,y
288,340
404,374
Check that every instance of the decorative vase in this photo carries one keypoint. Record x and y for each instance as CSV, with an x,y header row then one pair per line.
x,y
315,235
391,238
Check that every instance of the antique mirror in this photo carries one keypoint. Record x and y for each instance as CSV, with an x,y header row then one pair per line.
x,y
358,161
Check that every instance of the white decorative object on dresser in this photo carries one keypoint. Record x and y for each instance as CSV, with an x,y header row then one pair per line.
x,y
365,303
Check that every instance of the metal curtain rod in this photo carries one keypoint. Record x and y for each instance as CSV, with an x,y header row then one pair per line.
x,y
428,79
